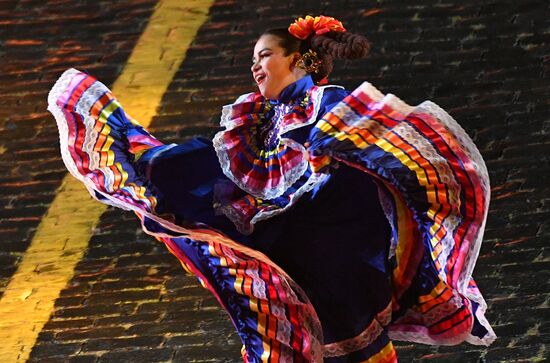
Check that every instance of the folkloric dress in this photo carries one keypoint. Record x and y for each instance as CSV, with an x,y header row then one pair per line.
x,y
325,222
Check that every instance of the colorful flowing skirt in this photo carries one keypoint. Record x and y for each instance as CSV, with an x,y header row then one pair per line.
x,y
384,251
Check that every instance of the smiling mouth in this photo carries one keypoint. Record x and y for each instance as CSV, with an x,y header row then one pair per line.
x,y
260,78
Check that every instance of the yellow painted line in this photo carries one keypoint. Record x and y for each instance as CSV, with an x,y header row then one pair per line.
x,y
66,228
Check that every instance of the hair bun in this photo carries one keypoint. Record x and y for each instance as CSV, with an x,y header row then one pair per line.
x,y
341,45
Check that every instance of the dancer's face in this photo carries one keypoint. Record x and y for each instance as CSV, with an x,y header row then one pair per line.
x,y
271,68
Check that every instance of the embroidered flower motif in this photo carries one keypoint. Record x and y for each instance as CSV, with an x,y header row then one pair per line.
x,y
302,28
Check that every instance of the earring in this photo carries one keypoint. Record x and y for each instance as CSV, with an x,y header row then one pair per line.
x,y
309,61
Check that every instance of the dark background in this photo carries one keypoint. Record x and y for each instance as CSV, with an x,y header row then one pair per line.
x,y
486,62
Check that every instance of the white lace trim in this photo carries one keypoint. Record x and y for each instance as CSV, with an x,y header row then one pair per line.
x,y
388,99
317,98
55,93
237,219
265,193
90,138
366,337
466,144
225,119
83,106
472,152
389,212
422,335
284,326
289,177
426,149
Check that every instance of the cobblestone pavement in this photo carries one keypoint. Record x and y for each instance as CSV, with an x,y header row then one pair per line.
x,y
486,62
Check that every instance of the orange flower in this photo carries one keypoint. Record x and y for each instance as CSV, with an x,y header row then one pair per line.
x,y
303,28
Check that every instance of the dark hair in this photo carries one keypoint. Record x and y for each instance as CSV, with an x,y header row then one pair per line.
x,y
329,46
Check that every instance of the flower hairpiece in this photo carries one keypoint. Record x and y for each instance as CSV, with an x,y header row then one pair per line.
x,y
302,28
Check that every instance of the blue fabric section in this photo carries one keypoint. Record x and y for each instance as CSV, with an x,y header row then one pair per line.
x,y
331,97
294,90
219,278
478,330
119,124
184,178
334,244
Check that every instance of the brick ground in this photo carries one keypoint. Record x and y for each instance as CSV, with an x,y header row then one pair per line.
x,y
130,301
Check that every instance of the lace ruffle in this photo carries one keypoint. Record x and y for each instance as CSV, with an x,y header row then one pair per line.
x,y
264,173
425,143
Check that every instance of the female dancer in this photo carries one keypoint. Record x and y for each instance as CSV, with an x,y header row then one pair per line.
x,y
325,222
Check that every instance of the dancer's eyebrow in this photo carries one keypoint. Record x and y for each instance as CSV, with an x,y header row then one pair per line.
x,y
254,58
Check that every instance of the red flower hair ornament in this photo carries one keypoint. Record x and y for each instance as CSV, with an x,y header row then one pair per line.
x,y
302,28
